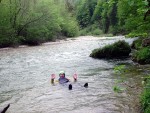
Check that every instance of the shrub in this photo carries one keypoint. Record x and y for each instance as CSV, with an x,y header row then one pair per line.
x,y
9,42
4,42
142,56
35,36
91,30
137,44
116,50
97,32
141,35
70,28
115,30
83,32
145,98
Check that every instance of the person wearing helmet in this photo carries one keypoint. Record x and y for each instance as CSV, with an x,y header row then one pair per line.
x,y
62,79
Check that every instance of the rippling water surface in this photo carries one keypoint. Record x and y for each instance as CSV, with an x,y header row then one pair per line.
x,y
25,79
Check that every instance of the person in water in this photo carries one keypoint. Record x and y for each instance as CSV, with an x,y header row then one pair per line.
x,y
62,79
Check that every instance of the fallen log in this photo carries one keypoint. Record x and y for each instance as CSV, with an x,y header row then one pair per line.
x,y
5,109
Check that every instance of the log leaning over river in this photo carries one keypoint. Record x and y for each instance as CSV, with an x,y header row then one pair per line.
x,y
5,109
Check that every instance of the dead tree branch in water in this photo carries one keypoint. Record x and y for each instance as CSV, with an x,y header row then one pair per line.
x,y
5,109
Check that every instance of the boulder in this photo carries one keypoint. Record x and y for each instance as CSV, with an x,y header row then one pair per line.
x,y
117,50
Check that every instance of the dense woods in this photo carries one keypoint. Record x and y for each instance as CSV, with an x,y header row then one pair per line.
x,y
114,16
34,21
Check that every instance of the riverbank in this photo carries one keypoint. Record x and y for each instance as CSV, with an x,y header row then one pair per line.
x,y
46,43
57,41
145,96
140,54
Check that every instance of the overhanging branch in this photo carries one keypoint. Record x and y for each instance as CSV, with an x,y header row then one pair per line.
x,y
15,17
34,20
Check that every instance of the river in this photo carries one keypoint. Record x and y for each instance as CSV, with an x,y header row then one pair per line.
x,y
25,79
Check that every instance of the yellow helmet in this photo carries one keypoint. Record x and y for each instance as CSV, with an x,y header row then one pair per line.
x,y
62,72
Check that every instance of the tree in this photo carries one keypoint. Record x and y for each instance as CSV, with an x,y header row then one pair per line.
x,y
148,9
83,14
131,15
34,22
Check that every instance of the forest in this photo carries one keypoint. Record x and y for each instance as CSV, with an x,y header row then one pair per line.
x,y
114,16
33,22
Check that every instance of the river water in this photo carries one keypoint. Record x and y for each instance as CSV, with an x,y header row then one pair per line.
x,y
25,79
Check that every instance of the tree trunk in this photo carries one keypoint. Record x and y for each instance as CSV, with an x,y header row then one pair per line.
x,y
107,24
26,24
148,12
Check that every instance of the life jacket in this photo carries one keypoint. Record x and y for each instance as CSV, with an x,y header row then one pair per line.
x,y
63,80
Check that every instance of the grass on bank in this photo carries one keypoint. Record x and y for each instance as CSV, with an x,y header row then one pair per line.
x,y
93,30
145,97
142,56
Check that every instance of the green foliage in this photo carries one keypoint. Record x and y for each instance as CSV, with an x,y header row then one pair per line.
x,y
8,38
131,15
103,12
91,30
142,56
83,32
97,32
36,21
5,42
145,98
83,14
57,17
119,69
116,50
70,28
133,35
118,89
137,44
115,30
98,11
35,36
115,16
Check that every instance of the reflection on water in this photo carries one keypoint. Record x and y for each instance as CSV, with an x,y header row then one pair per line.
x,y
25,79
